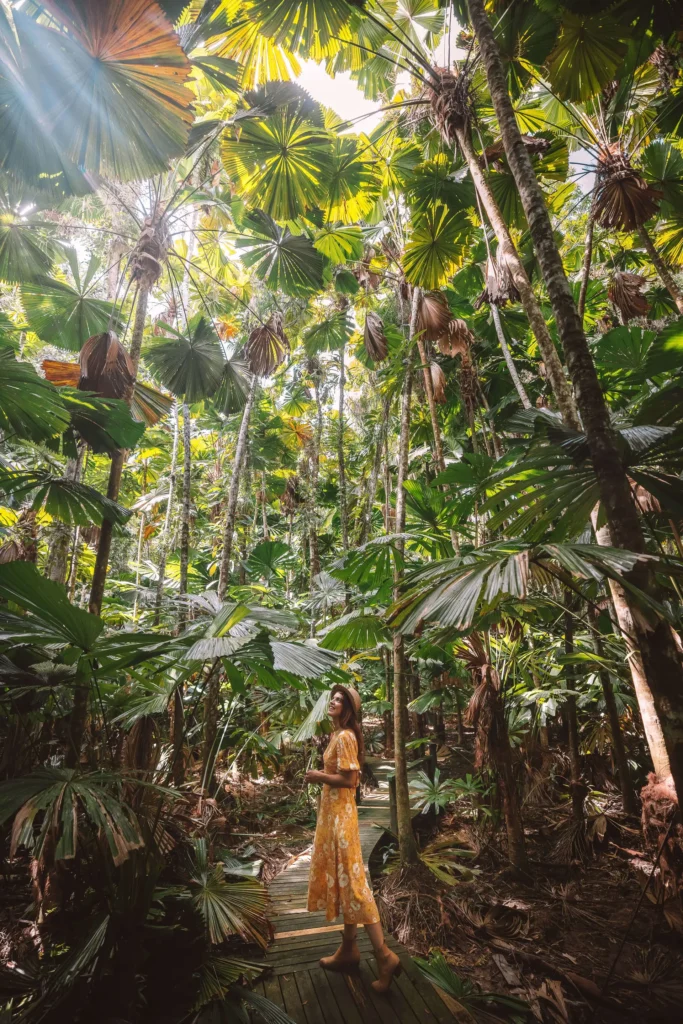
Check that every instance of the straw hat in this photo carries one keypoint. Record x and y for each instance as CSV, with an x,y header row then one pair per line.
x,y
352,694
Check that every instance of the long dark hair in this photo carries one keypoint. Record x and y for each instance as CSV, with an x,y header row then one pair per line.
x,y
350,720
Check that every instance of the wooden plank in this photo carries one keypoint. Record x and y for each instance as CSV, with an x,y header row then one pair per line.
x,y
309,999
344,999
325,995
308,964
292,999
425,990
357,985
272,991
390,1006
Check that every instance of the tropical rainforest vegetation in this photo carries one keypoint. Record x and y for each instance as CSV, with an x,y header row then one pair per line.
x,y
285,402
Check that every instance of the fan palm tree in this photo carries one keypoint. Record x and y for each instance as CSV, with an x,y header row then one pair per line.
x,y
657,646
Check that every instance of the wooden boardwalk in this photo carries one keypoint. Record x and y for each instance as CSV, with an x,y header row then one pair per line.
x,y
311,995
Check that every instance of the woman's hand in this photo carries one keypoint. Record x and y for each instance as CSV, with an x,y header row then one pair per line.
x,y
313,777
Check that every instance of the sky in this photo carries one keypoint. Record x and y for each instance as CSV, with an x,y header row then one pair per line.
x,y
339,93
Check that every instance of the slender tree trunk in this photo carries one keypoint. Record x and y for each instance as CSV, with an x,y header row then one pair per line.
x,y
315,475
185,517
587,260
343,503
628,794
429,390
665,275
507,356
233,490
508,252
406,839
366,520
654,639
73,571
166,532
210,724
178,737
577,786
117,462
138,559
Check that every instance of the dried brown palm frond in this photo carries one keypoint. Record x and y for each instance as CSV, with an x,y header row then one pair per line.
x,y
376,344
623,199
438,383
267,346
500,287
624,291
668,65
457,341
106,367
433,316
61,374
493,155
292,496
449,103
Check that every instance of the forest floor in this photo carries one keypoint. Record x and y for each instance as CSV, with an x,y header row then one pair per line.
x,y
574,939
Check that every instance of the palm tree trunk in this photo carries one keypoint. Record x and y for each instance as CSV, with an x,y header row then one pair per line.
x,y
73,570
185,516
316,441
429,390
665,275
587,260
628,794
366,520
654,640
508,252
343,506
233,491
507,356
166,533
406,839
138,559
117,462
577,787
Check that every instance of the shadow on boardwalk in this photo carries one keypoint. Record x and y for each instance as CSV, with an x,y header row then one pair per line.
x,y
311,995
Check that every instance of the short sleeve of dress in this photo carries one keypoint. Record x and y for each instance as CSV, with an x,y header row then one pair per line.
x,y
347,752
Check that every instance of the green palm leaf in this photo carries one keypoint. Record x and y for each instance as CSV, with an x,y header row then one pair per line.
x,y
587,55
60,795
65,316
111,83
435,247
50,618
105,424
352,183
26,253
191,363
357,632
69,501
282,260
30,407
279,162
329,335
311,27
227,908
340,244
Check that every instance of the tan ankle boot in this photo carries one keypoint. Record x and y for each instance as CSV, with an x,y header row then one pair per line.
x,y
388,967
346,958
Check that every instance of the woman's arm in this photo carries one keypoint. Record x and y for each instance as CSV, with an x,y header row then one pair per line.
x,y
341,780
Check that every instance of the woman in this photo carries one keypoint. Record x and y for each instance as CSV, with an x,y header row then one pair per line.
x,y
337,882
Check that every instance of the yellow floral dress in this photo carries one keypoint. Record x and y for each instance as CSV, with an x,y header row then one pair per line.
x,y
337,882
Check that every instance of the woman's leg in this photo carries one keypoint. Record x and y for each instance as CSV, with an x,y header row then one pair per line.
x,y
347,955
388,964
